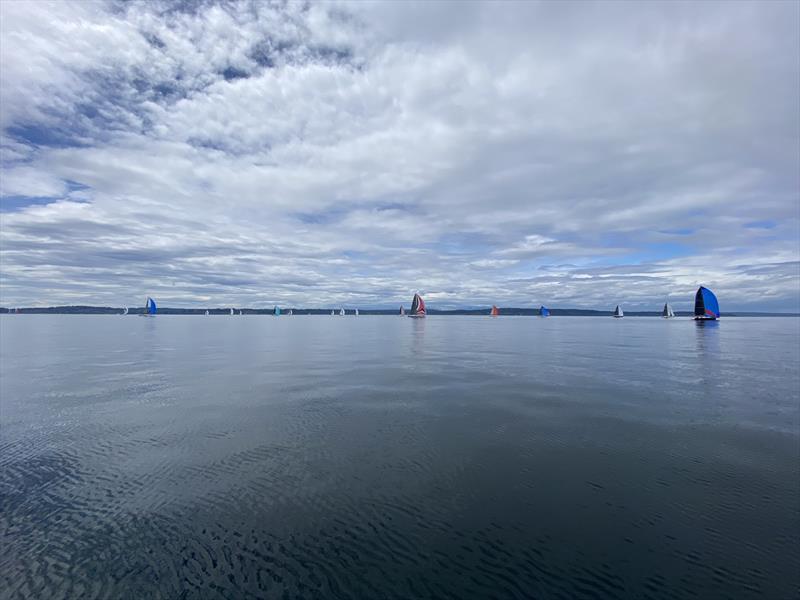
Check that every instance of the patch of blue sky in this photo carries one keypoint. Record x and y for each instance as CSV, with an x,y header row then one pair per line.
x,y
766,224
16,203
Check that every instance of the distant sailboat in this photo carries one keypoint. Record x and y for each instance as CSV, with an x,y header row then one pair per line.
x,y
125,311
402,311
276,311
356,312
706,306
341,312
206,313
240,312
290,313
333,314
495,311
232,312
544,311
618,314
417,307
667,312
150,308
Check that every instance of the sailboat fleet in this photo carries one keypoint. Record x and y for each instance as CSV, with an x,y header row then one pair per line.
x,y
706,308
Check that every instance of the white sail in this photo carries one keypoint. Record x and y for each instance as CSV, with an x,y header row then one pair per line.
x,y
341,312
125,311
231,312
667,312
290,312
618,312
356,312
240,312
332,313
206,313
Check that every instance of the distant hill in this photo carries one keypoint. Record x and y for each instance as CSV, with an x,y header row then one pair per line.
x,y
529,312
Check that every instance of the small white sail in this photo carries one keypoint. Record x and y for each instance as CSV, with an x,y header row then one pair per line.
x,y
333,314
206,313
240,312
356,312
125,311
618,314
341,312
231,312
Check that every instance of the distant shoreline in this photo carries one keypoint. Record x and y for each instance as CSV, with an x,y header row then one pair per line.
x,y
525,312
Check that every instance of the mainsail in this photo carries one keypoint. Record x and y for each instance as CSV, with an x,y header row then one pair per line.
x,y
276,311
356,312
290,312
495,311
125,311
417,307
544,311
706,306
402,311
231,312
667,312
618,314
206,313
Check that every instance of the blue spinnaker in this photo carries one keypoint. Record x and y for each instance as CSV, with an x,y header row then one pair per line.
x,y
706,305
277,311
151,306
544,311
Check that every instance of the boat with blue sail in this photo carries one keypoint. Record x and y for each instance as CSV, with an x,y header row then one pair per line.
x,y
544,311
276,311
706,305
150,308
417,308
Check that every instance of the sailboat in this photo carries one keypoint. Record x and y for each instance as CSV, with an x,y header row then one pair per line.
x,y
333,314
206,313
276,311
125,311
667,312
290,313
495,311
402,311
706,306
544,311
356,312
618,314
150,308
341,312
231,312
417,307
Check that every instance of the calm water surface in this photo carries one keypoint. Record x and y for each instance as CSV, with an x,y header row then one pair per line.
x,y
382,457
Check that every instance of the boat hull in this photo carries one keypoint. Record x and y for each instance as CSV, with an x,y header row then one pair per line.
x,y
416,316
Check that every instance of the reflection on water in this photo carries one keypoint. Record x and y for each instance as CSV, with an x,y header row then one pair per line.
x,y
395,457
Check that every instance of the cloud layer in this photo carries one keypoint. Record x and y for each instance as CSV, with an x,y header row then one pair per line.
x,y
248,154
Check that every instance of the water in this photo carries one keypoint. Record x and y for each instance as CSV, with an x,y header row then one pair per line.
x,y
382,457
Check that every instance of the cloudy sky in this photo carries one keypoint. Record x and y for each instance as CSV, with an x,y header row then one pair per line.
x,y
248,154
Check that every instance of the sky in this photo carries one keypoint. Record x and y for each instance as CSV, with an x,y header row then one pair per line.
x,y
350,154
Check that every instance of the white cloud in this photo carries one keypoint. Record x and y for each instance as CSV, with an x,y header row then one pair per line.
x,y
252,153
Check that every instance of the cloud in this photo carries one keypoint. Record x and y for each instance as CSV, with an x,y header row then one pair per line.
x,y
249,154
